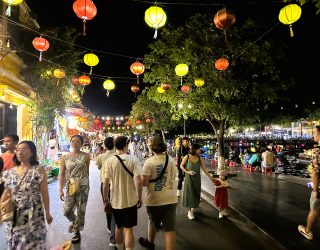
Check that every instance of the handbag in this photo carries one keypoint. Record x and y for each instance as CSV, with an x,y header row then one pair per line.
x,y
73,186
124,166
7,206
162,172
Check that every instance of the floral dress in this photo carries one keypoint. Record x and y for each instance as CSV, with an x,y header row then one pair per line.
x,y
29,231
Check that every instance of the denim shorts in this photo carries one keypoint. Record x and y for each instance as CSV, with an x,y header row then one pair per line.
x,y
314,203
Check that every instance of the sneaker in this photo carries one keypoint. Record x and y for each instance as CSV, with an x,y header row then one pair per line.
x,y
277,172
109,231
225,213
178,193
190,215
220,215
145,243
302,230
112,244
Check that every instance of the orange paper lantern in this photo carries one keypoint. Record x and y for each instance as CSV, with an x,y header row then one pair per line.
x,y
185,88
224,19
84,80
138,122
165,86
137,68
135,88
221,64
148,120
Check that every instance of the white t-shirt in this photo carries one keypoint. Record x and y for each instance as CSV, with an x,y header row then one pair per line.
x,y
123,191
100,162
164,190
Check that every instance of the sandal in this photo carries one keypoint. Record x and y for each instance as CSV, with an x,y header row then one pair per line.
x,y
145,243
70,228
76,237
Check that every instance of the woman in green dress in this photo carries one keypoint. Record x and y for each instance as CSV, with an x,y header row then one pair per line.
x,y
191,165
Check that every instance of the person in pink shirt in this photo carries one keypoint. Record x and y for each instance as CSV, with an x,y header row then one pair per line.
x,y
10,142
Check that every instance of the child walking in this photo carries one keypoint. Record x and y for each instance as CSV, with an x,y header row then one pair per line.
x,y
221,194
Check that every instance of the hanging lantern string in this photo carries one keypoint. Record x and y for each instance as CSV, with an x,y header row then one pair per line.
x,y
84,27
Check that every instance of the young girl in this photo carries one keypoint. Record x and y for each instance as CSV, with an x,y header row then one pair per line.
x,y
221,194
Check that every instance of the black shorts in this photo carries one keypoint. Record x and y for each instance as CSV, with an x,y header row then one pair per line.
x,y
165,214
126,217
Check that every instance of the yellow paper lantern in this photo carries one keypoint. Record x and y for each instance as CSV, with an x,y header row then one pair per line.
x,y
160,90
91,60
108,85
199,82
11,2
182,69
290,14
59,73
155,17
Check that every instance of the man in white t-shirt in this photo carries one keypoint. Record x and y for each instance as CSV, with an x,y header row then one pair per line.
x,y
161,197
123,172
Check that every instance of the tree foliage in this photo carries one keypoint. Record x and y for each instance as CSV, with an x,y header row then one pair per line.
x,y
230,97
52,95
159,113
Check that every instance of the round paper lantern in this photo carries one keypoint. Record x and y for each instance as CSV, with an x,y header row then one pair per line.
x,y
84,80
135,88
199,82
128,123
165,86
10,3
86,10
182,69
137,68
221,64
108,123
224,19
138,122
290,14
96,121
59,73
91,60
155,17
41,44
148,120
75,80
160,90
108,85
185,88
118,123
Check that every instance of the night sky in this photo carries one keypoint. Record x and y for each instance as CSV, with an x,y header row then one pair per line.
x,y
121,23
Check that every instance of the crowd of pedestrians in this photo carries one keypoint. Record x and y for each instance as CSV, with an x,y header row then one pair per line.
x,y
122,179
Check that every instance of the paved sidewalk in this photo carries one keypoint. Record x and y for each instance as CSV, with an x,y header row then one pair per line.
x,y
276,204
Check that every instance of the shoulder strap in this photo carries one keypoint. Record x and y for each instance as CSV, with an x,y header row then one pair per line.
x,y
163,170
124,166
19,184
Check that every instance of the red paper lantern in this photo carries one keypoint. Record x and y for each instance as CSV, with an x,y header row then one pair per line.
x,y
185,88
96,121
148,120
118,123
108,123
165,86
221,64
135,88
41,44
128,123
86,10
84,80
138,122
137,68
75,80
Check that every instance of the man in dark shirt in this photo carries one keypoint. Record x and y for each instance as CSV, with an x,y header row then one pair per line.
x,y
182,151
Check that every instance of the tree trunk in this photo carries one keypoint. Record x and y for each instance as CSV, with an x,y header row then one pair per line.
x,y
220,138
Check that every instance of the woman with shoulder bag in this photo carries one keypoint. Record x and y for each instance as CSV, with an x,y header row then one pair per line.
x,y
74,175
26,184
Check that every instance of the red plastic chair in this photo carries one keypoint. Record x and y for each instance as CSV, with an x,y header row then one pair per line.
x,y
268,170
250,168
